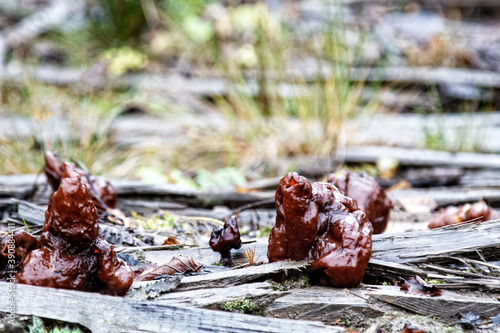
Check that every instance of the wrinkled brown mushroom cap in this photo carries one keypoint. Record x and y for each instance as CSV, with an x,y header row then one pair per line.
x,y
368,194
71,253
71,213
103,189
316,221
296,221
223,239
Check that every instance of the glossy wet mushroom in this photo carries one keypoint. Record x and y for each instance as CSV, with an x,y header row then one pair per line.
x,y
478,211
316,221
103,193
14,248
368,194
223,239
71,253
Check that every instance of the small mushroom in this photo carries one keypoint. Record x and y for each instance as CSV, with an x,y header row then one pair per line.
x,y
224,239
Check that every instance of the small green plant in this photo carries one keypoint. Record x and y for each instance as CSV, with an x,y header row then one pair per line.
x,y
37,326
303,282
216,263
430,281
219,178
162,221
465,135
242,305
264,232
25,225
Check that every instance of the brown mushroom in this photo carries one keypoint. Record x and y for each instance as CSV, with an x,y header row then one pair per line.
x,y
103,193
53,170
478,211
72,254
368,194
316,221
224,239
14,248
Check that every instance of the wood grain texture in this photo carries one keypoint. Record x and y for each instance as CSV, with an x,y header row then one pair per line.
x,y
102,313
446,307
470,240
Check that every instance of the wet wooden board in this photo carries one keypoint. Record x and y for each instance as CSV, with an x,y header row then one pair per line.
x,y
102,313
446,196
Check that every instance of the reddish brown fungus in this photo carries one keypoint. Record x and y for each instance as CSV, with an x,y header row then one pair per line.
x,y
224,239
103,193
171,241
316,221
53,170
71,253
14,249
478,211
369,196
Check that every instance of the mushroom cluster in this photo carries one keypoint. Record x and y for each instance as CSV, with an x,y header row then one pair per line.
x,y
316,221
368,194
478,212
70,253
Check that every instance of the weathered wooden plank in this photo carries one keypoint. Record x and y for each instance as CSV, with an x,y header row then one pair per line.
x,y
479,178
421,157
176,196
212,297
102,313
445,307
233,277
460,131
378,271
446,196
427,75
212,86
382,270
465,239
323,304
53,15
